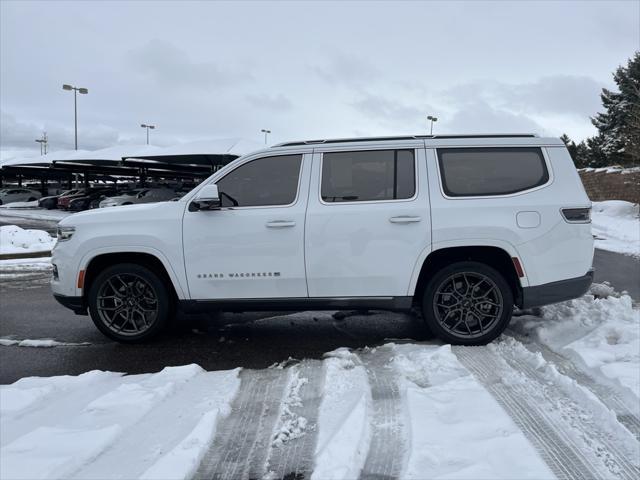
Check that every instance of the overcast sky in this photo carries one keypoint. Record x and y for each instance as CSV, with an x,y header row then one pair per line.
x,y
305,70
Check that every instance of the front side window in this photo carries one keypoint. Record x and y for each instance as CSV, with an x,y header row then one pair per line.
x,y
491,171
263,182
368,175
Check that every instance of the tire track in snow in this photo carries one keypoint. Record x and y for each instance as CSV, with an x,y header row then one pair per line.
x,y
293,458
537,408
626,416
615,455
243,438
385,457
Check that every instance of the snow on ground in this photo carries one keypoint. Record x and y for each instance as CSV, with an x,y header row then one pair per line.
x,y
401,410
12,270
105,425
616,225
34,213
33,204
600,332
14,239
39,343
460,431
343,433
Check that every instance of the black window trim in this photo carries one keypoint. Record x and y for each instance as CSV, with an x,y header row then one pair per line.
x,y
395,149
443,190
262,157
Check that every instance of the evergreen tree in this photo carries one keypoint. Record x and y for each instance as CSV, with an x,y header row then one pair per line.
x,y
596,156
618,126
571,147
582,155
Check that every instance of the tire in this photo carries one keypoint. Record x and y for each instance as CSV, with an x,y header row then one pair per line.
x,y
130,289
467,303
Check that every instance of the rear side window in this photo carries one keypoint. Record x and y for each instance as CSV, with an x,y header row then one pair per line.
x,y
263,182
369,175
491,171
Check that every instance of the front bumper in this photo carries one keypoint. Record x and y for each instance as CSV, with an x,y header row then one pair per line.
x,y
555,292
76,304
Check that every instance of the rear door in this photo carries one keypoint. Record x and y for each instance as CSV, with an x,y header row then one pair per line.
x,y
367,221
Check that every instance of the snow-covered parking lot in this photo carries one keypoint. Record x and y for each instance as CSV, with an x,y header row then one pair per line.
x,y
557,397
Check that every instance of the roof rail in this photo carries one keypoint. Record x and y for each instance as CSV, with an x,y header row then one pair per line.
x,y
406,137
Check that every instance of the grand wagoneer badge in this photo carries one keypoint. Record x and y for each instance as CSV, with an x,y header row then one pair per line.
x,y
239,275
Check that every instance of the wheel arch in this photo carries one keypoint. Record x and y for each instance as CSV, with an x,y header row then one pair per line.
x,y
153,262
491,255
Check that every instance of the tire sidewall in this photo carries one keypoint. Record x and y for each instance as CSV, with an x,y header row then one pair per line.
x,y
161,290
467,266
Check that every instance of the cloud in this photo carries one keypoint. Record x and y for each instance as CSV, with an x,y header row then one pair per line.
x,y
171,66
278,103
347,69
481,117
565,94
390,112
20,134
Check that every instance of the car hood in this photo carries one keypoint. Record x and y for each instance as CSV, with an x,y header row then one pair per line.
x,y
143,211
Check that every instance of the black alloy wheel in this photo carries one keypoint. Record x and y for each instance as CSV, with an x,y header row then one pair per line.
x,y
467,303
129,303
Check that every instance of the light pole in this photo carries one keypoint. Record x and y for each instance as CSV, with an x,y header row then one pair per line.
x,y
266,132
43,143
148,127
76,90
433,119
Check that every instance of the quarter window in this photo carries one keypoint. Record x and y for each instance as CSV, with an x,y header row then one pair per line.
x,y
491,171
369,175
262,182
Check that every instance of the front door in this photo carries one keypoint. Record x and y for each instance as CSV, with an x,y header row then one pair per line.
x,y
253,247
368,222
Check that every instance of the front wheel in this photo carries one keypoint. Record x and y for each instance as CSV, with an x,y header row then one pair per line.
x,y
467,303
129,303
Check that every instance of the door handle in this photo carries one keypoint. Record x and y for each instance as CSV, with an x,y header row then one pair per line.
x,y
281,223
405,219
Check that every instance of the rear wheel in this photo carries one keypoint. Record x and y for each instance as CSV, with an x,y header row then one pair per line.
x,y
129,303
467,303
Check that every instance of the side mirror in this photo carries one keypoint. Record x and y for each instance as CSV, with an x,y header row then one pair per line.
x,y
207,198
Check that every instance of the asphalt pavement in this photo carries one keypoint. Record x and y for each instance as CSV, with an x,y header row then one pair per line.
x,y
250,340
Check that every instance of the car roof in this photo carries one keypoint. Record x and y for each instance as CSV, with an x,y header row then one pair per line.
x,y
429,141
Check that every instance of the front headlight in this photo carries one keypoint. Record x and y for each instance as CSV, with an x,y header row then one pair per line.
x,y
65,233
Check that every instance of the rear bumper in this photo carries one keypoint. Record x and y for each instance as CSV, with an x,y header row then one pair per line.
x,y
555,292
76,304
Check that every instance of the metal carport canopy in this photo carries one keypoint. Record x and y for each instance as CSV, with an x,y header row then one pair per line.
x,y
206,155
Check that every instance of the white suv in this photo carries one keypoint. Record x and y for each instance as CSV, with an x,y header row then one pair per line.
x,y
463,227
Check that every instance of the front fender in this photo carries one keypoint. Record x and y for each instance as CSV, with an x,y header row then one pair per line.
x,y
176,279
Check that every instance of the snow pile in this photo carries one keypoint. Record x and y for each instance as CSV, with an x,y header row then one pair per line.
x,y
40,343
14,239
105,425
344,432
33,204
292,425
601,335
449,405
616,225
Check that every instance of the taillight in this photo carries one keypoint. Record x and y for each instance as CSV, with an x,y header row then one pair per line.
x,y
577,215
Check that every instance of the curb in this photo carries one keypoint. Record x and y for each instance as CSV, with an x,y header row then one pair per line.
x,y
15,256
